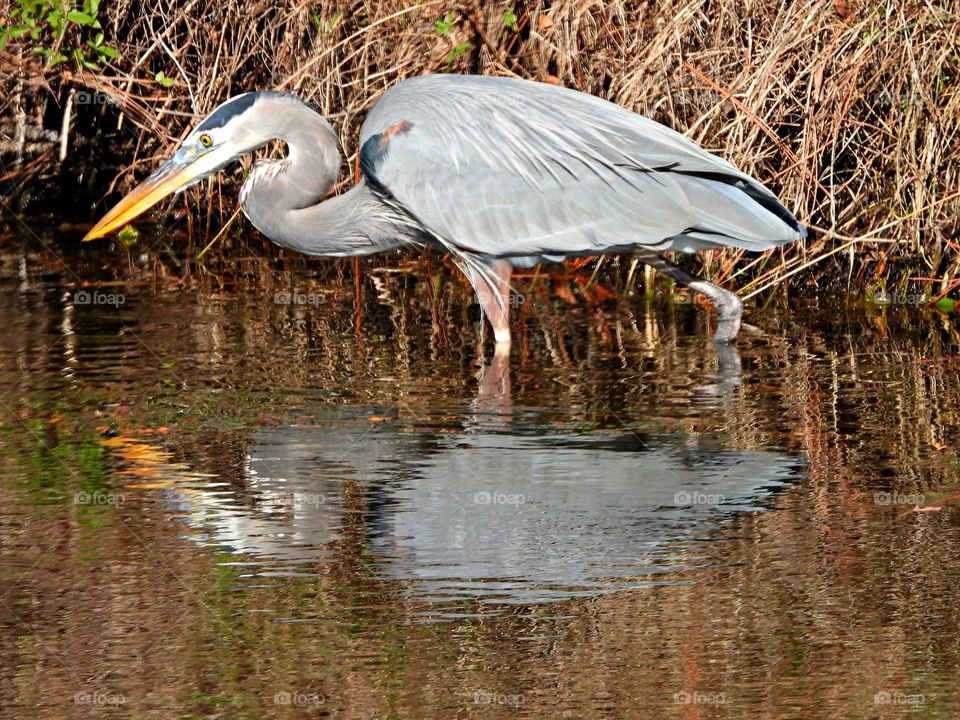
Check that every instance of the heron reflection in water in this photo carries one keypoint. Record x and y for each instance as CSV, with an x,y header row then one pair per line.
x,y
498,172
527,511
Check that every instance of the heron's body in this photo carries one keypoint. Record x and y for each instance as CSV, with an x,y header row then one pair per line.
x,y
499,172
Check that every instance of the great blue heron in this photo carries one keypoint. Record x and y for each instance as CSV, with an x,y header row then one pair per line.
x,y
499,172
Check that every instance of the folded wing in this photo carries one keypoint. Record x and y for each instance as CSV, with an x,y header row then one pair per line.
x,y
512,168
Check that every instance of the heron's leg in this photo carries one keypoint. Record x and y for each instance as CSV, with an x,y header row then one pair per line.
x,y
493,294
729,308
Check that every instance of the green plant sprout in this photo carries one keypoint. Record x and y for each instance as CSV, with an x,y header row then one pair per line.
x,y
457,52
59,32
443,26
325,26
162,78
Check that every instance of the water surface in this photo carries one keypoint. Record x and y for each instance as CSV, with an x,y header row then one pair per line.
x,y
274,492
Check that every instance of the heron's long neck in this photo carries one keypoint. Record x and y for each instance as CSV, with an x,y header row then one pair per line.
x,y
283,199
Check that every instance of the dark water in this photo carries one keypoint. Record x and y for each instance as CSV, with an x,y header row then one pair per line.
x,y
218,503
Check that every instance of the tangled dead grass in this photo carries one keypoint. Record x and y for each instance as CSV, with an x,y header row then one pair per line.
x,y
849,109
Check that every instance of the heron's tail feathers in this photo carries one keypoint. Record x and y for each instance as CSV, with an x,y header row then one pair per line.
x,y
736,211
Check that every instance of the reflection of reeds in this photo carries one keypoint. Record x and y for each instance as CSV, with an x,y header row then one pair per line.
x,y
849,110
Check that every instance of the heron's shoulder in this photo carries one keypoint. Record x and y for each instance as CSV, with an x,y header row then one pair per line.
x,y
478,88
461,100
431,100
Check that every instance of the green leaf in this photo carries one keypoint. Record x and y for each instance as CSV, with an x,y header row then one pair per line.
x,y
510,20
457,52
128,236
108,52
945,304
444,25
80,18
164,80
329,25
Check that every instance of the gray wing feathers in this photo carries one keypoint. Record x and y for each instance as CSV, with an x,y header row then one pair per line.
x,y
505,167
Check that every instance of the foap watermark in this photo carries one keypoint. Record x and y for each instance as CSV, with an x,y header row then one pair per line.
x,y
895,498
889,98
498,498
695,697
895,697
877,296
96,297
85,97
300,699
297,500
694,497
485,697
98,498
507,101
515,299
699,99
98,697
295,297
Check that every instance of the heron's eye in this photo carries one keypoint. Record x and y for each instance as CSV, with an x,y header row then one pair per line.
x,y
206,140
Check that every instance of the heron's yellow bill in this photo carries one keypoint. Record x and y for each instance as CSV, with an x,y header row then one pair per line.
x,y
173,175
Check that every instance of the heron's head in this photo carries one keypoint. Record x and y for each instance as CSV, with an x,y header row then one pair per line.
x,y
240,125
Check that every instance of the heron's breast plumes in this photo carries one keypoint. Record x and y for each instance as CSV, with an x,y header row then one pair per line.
x,y
263,171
